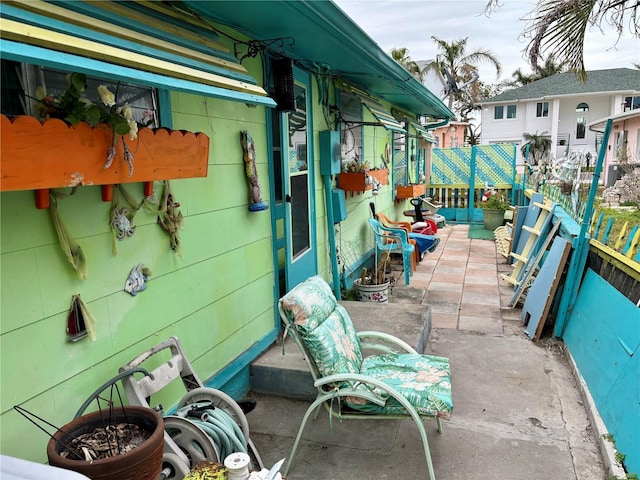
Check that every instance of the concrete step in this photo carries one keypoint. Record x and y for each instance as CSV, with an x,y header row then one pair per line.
x,y
283,371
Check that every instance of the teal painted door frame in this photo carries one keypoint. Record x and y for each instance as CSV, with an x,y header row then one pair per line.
x,y
299,188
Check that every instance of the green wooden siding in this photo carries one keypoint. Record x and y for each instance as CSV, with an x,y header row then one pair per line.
x,y
201,297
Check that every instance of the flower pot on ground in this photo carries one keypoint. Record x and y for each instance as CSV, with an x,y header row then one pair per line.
x,y
494,205
374,287
144,462
372,292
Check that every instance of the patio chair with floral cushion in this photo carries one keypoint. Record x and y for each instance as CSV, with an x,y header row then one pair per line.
x,y
395,382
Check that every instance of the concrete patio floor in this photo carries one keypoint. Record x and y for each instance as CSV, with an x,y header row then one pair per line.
x,y
518,410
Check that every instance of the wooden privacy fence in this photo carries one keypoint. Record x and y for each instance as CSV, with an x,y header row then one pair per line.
x,y
458,177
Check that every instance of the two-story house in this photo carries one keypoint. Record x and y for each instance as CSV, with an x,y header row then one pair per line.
x,y
561,106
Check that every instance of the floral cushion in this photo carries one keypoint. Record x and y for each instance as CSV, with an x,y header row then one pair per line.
x,y
424,380
324,327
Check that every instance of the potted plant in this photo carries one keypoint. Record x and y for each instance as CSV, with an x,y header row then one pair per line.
x,y
125,442
494,205
374,287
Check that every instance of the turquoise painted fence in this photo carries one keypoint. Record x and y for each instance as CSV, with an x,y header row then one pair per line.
x,y
603,336
458,177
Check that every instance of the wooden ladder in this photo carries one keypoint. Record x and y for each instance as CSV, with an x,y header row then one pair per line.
x,y
537,233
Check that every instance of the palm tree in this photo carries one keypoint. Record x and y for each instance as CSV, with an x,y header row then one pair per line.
x,y
401,55
559,26
538,146
454,64
548,68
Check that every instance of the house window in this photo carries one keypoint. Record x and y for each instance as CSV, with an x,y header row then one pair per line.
x,y
20,81
581,129
498,112
631,103
542,109
582,107
400,159
351,126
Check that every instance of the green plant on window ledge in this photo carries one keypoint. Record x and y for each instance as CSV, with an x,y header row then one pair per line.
x,y
496,201
74,107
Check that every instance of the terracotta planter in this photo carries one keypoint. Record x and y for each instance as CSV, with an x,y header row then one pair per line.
x,y
355,182
142,463
40,156
410,191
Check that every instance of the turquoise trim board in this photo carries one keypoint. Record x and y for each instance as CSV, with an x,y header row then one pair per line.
x,y
84,33
233,379
21,52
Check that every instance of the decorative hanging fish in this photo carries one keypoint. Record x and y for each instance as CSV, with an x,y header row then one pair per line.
x,y
136,281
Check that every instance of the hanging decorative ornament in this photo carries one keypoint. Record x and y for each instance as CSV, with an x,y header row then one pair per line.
x,y
255,194
136,280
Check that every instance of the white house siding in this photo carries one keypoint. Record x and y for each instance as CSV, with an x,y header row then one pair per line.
x,y
511,130
599,106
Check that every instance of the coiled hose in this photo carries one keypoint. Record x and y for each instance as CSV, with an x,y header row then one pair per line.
x,y
217,424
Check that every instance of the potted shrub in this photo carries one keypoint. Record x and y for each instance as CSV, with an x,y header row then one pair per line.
x,y
493,210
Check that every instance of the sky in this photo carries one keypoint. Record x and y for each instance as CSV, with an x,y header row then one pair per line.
x,y
411,23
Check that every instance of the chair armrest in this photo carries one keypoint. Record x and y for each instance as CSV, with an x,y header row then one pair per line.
x,y
400,232
353,379
383,342
370,383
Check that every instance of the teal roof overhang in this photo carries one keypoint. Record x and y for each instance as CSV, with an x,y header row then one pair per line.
x,y
324,35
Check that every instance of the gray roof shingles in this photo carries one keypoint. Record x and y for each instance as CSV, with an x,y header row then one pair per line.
x,y
611,80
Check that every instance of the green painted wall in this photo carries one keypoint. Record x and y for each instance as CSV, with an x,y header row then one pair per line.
x,y
201,297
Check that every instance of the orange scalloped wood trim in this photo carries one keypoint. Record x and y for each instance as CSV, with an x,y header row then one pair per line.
x,y
53,154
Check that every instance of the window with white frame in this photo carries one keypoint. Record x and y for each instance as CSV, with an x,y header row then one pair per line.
x,y
582,107
542,109
631,103
581,128
499,112
20,81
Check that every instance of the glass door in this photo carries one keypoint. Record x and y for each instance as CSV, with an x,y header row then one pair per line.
x,y
299,208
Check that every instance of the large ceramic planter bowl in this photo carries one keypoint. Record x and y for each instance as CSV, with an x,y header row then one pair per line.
x,y
142,463
372,293
493,218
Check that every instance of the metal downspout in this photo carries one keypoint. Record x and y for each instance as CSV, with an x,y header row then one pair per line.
x,y
332,236
579,256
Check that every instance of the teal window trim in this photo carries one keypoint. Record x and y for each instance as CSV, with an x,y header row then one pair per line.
x,y
21,52
164,108
34,19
